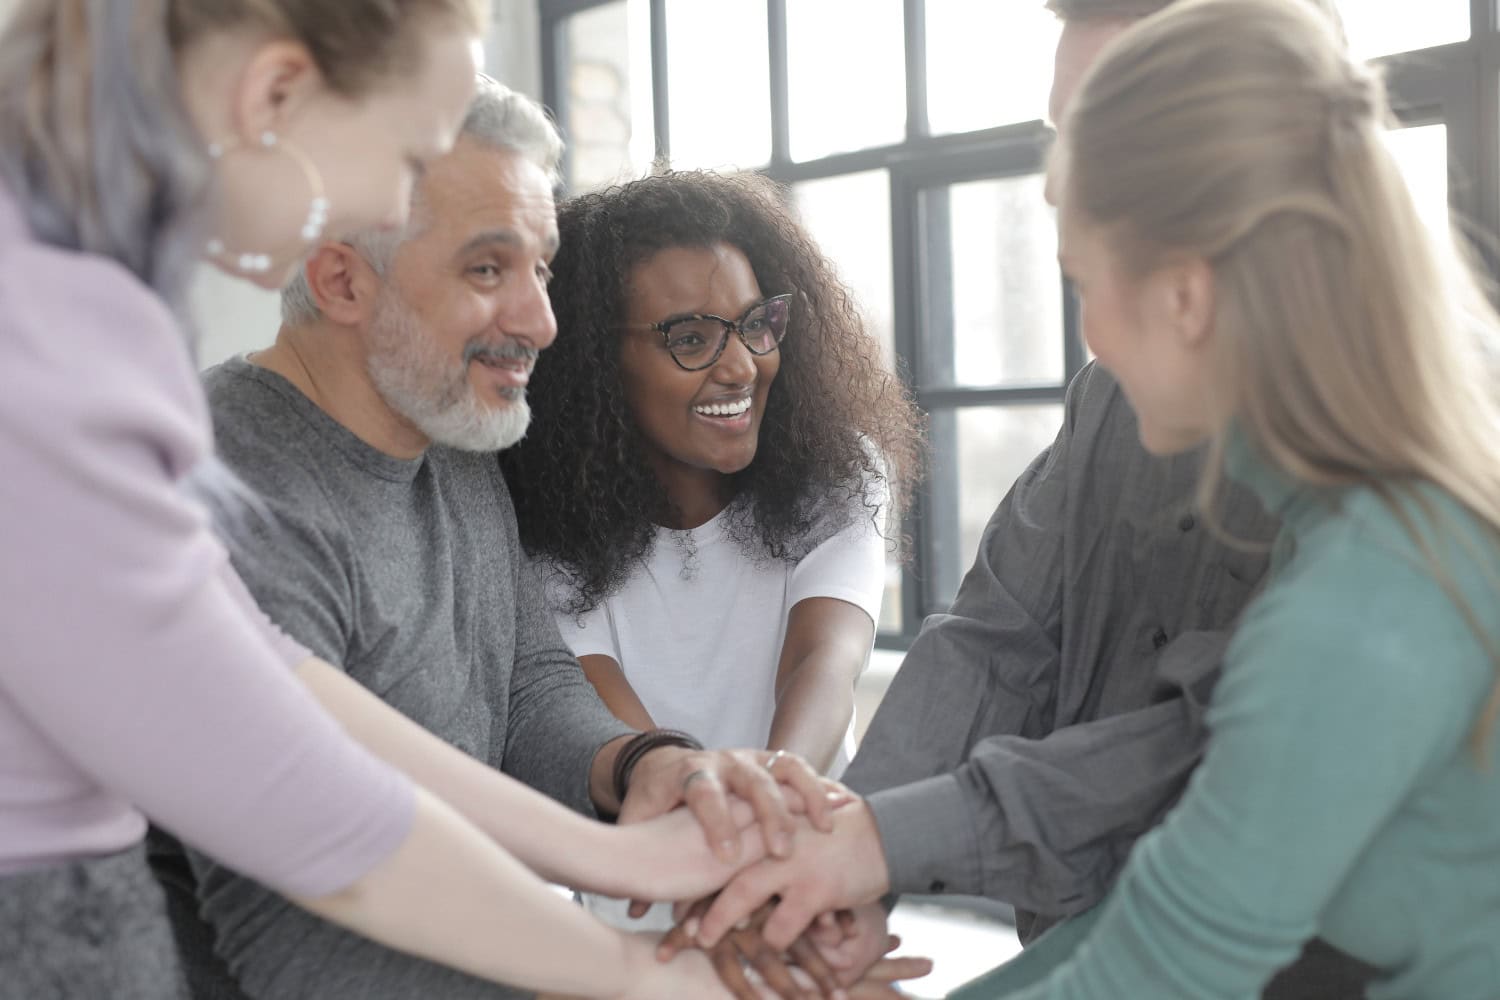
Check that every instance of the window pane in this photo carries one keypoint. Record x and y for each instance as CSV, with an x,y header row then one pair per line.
x,y
1379,29
850,217
609,94
1005,325
846,75
718,83
977,454
1422,152
987,63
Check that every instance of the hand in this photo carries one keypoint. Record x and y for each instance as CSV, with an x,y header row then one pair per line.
x,y
704,779
668,859
689,976
743,948
851,941
826,871
878,982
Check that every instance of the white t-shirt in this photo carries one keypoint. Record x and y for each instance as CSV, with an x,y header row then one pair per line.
x,y
698,628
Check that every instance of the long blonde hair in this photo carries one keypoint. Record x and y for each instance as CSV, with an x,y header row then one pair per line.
x,y
1355,343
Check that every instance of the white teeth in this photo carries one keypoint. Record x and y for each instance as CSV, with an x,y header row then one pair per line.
x,y
724,409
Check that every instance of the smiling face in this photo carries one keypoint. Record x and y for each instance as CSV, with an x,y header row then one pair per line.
x,y
464,312
699,426
1153,332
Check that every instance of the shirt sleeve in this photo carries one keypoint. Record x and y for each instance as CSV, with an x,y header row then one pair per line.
x,y
971,788
557,722
849,565
128,640
1328,715
590,634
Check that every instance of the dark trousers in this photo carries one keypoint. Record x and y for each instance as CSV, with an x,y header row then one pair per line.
x,y
87,929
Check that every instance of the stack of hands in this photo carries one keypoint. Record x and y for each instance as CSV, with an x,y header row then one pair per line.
x,y
776,872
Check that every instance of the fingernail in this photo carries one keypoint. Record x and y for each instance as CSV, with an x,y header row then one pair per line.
x,y
691,927
781,845
728,849
839,994
743,925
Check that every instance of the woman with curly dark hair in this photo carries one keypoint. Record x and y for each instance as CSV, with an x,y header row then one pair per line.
x,y
717,447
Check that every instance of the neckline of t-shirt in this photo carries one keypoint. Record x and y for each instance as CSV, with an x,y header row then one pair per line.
x,y
350,445
710,532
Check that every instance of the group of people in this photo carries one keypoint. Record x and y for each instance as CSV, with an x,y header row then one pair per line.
x,y
546,543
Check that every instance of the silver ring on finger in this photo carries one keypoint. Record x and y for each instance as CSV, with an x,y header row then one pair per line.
x,y
775,759
694,776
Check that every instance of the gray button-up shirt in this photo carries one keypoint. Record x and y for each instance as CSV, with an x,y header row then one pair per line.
x,y
1053,715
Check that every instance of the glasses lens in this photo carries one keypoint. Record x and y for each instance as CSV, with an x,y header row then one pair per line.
x,y
693,342
766,325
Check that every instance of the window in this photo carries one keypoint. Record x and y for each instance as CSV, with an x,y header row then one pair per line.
x,y
909,134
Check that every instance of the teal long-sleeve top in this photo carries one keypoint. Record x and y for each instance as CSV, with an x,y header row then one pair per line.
x,y
1339,795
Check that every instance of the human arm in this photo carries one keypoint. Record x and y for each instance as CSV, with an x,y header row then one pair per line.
x,y
827,644
552,740
1043,824
666,858
128,642
834,594
449,894
614,689
967,748
1328,717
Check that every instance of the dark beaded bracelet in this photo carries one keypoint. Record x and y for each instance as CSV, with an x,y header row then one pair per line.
x,y
641,744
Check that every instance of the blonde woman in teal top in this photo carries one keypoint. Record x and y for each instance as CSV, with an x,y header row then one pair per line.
x,y
1254,272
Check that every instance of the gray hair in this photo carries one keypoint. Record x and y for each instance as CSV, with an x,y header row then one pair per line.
x,y
498,118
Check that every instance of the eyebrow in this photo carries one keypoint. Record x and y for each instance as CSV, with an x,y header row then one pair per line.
x,y
702,313
505,237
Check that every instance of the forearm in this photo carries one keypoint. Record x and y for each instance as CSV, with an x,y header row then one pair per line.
x,y
450,895
813,713
1043,824
547,837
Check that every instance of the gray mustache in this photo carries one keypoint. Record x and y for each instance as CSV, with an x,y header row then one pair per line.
x,y
502,352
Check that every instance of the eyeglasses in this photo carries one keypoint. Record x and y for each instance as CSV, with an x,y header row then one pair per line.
x,y
696,342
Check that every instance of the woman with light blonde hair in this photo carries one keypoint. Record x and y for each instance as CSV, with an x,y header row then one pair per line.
x,y
1253,270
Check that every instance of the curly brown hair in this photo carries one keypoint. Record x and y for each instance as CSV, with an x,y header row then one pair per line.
x,y
839,431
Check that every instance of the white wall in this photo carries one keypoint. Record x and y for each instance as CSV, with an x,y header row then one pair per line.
x,y
233,316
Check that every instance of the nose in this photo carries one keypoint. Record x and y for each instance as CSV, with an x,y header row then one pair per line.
x,y
736,366
528,315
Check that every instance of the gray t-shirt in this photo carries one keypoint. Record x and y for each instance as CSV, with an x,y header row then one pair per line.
x,y
408,573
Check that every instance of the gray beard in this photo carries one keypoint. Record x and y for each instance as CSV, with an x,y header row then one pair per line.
x,y
413,379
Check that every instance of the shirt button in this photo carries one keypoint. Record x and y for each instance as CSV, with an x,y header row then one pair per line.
x,y
1160,638
1188,522
937,885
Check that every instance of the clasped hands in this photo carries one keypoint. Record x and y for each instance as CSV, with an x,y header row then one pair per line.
x,y
799,861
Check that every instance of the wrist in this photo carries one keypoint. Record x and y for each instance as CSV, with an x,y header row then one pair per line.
x,y
874,874
635,750
638,964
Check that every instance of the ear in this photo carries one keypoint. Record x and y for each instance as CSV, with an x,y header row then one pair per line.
x,y
1187,293
278,80
343,284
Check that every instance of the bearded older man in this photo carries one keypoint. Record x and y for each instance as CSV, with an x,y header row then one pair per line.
x,y
385,541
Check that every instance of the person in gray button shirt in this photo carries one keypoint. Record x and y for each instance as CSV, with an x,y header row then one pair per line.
x,y
1053,714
